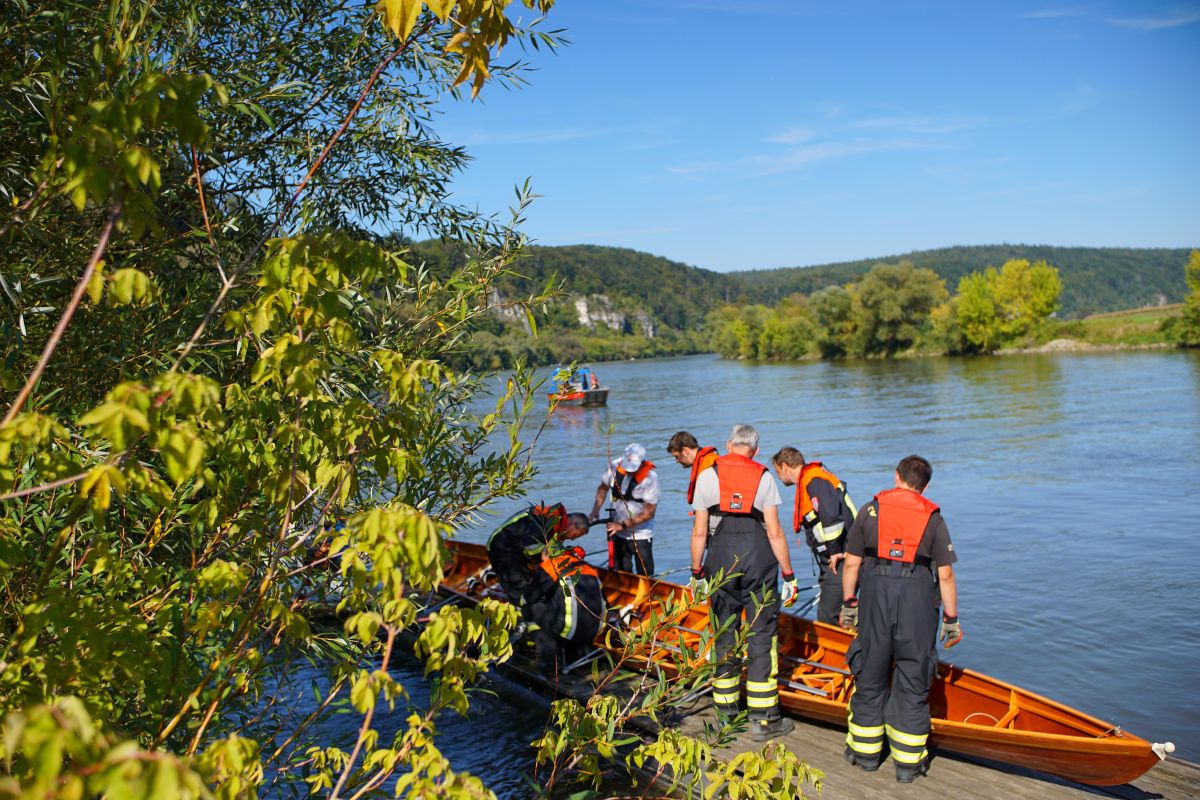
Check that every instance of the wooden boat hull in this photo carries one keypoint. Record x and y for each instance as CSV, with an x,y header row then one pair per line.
x,y
973,714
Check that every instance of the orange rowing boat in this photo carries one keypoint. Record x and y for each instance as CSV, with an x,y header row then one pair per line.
x,y
973,714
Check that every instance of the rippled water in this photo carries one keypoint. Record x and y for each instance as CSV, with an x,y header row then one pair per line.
x,y
1067,481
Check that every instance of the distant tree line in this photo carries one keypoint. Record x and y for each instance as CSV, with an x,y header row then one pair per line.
x,y
1095,279
892,309
852,309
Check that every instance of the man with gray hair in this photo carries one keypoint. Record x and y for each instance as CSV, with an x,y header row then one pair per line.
x,y
737,518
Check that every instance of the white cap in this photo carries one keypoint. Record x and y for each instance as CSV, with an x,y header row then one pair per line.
x,y
635,454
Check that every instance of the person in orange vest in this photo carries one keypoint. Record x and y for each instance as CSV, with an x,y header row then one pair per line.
x,y
559,594
901,548
688,453
737,520
825,512
633,482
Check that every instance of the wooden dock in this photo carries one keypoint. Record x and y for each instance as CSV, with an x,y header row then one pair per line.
x,y
949,776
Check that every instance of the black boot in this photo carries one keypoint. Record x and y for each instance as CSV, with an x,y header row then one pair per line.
x,y
859,761
762,730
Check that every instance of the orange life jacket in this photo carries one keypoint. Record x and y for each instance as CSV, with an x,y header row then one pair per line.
x,y
638,477
738,478
903,515
567,564
804,504
705,458
554,517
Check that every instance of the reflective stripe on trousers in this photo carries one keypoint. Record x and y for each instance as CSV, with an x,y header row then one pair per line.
x,y
894,662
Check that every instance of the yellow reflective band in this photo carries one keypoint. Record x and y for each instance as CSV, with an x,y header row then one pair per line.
x,y
774,675
761,686
909,739
830,532
723,699
727,683
866,731
568,618
761,702
867,749
849,502
905,757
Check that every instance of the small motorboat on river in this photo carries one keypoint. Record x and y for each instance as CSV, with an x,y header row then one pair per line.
x,y
973,714
578,388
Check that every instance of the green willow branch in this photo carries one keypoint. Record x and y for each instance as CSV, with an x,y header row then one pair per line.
x,y
227,284
68,313
366,723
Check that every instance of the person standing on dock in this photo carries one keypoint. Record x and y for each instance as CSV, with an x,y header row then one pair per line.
x,y
633,482
896,542
688,453
825,512
737,518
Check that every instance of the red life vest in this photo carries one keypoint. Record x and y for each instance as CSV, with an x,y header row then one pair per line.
x,y
903,515
567,564
638,477
738,478
705,458
804,504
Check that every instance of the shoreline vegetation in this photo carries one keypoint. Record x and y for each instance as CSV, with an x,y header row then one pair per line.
x,y
609,304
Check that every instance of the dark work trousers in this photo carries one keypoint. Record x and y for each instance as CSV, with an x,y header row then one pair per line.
x,y
567,615
897,623
634,555
829,607
740,548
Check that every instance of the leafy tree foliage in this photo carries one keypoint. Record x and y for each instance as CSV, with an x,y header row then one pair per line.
x,y
892,307
1187,330
220,400
997,307
1095,279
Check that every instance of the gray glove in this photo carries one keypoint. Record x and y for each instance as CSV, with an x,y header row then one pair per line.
x,y
848,619
950,631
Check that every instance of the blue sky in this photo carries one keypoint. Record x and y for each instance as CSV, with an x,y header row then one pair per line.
x,y
766,133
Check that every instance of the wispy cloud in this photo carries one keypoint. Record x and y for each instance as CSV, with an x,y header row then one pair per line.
x,y
1056,13
792,136
549,136
1155,23
797,157
799,146
922,124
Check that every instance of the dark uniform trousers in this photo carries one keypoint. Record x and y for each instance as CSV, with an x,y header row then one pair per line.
x,y
740,548
897,624
829,606
634,555
564,615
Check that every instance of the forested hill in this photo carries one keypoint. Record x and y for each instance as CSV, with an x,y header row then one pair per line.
x,y
673,294
1095,279
639,288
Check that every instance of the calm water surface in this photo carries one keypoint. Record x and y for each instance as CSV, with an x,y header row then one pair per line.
x,y
1067,482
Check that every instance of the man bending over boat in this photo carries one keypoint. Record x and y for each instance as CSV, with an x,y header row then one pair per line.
x,y
737,518
895,544
557,591
825,512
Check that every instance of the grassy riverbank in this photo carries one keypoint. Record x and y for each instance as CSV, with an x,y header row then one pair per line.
x,y
1131,328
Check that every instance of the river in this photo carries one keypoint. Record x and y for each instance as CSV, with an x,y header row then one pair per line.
x,y
1065,480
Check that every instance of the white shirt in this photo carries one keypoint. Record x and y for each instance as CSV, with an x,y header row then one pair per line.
x,y
708,494
647,491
